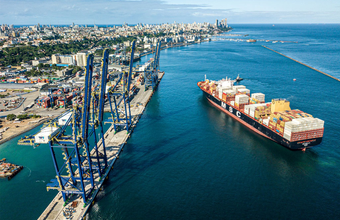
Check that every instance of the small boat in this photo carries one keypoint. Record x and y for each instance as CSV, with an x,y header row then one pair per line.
x,y
238,78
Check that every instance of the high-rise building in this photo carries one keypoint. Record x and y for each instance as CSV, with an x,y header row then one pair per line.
x,y
216,24
223,23
81,58
63,59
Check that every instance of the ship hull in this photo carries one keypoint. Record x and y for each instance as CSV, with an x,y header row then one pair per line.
x,y
259,128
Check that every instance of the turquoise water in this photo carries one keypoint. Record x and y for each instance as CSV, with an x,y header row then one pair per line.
x,y
188,160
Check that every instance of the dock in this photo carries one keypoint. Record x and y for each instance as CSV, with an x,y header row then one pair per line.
x,y
75,208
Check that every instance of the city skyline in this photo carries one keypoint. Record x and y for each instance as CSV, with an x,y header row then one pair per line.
x,y
156,11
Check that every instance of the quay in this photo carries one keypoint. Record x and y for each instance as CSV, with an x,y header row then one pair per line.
x,y
75,208
302,63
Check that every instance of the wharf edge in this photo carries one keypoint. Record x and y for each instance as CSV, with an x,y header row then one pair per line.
x,y
55,209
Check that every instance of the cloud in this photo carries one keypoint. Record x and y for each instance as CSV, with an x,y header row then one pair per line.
x,y
141,11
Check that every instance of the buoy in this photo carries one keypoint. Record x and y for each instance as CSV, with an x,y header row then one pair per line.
x,y
304,149
294,79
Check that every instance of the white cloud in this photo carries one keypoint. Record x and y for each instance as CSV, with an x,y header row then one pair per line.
x,y
144,11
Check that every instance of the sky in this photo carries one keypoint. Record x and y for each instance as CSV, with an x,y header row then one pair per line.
x,y
59,12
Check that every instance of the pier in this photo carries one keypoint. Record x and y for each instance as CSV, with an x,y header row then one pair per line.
x,y
114,144
302,63
86,166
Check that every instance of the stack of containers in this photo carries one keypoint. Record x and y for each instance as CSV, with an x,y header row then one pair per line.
x,y
212,87
303,129
46,102
257,98
295,125
263,111
272,125
241,101
247,108
243,91
228,95
204,85
223,85
258,110
39,102
236,88
277,122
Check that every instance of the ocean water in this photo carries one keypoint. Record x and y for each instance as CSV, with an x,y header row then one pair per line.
x,y
188,160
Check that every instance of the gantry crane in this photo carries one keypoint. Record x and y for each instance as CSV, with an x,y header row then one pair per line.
x,y
118,95
82,159
75,132
151,72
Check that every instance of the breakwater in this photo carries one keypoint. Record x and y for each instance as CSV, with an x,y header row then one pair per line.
x,y
302,63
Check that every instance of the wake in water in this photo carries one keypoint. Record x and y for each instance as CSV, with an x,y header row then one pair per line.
x,y
30,171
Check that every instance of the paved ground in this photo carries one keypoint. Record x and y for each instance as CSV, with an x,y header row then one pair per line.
x,y
30,97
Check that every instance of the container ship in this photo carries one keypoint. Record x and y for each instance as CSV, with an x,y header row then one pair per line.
x,y
293,129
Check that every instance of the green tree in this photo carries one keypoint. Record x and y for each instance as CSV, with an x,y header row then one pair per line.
x,y
21,117
40,65
11,117
35,116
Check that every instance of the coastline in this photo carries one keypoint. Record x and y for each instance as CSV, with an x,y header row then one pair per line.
x,y
24,131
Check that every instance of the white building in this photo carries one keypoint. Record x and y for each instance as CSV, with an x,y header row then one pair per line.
x,y
81,58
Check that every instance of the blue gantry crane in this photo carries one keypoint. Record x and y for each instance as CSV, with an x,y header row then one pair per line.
x,y
151,72
119,95
81,158
74,134
84,157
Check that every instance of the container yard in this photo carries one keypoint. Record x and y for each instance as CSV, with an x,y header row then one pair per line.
x,y
274,120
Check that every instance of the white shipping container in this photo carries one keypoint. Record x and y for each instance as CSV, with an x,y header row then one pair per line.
x,y
229,91
244,91
235,88
227,84
246,109
266,121
252,113
241,99
258,96
303,124
43,136
286,136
